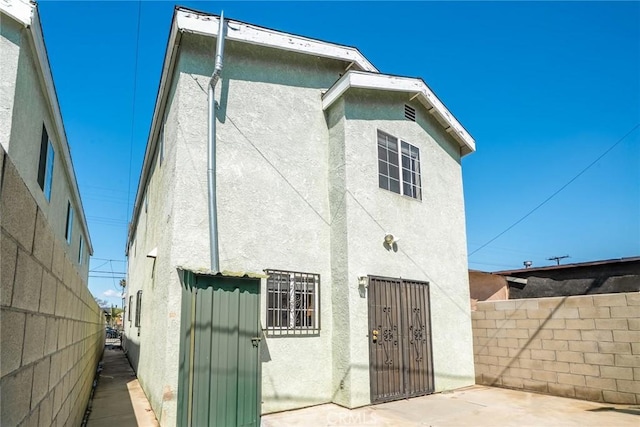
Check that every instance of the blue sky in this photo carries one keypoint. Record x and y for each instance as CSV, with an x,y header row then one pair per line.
x,y
545,88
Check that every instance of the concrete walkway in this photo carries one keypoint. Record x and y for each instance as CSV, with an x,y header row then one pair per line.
x,y
118,399
473,406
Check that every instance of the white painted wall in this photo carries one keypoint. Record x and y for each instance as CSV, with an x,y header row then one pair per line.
x,y
289,176
432,244
272,184
153,347
24,108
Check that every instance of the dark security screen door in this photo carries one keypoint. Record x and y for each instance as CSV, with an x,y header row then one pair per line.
x,y
400,355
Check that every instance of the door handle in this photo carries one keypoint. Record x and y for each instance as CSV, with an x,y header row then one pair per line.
x,y
255,341
374,335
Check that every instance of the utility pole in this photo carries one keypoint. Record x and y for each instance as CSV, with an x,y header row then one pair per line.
x,y
557,258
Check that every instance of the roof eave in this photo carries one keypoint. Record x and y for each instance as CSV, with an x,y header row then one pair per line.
x,y
189,21
27,15
19,10
208,25
152,140
418,90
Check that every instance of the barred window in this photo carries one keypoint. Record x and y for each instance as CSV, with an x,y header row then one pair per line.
x,y
292,303
390,157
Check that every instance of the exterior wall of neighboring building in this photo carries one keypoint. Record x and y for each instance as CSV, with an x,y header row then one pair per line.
x,y
31,108
597,277
10,40
486,287
287,175
52,329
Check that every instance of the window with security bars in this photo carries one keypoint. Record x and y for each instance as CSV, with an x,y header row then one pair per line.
x,y
292,303
395,156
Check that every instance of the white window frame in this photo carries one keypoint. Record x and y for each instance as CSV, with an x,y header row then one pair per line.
x,y
398,166
80,251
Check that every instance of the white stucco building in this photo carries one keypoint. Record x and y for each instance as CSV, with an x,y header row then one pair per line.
x,y
51,329
339,198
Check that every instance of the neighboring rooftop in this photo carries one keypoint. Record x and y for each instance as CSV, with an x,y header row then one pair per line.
x,y
565,266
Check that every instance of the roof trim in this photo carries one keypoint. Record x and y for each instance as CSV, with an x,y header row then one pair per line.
x,y
27,14
207,24
19,10
564,266
416,87
225,273
192,21
152,141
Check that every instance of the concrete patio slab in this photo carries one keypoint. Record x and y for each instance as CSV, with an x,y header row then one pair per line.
x,y
473,406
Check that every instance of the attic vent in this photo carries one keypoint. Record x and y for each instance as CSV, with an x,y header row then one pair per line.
x,y
410,113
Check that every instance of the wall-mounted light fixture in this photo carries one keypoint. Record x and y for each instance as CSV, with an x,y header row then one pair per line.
x,y
390,242
363,284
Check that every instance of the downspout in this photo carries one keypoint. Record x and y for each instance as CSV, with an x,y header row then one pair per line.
x,y
211,165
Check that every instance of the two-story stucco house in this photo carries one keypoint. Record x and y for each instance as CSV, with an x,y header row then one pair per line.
x,y
52,329
307,244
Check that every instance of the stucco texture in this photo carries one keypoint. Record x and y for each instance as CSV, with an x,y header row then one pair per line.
x,y
297,190
25,109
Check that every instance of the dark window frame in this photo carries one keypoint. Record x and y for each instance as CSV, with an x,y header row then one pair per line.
x,y
293,303
129,307
45,164
68,233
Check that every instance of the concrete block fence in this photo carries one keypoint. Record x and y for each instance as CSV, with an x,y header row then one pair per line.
x,y
585,347
51,328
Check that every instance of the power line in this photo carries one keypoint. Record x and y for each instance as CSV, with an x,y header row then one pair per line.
x,y
105,276
108,271
559,190
133,108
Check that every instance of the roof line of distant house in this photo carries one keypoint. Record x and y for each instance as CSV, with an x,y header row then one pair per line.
x,y
563,266
27,15
415,86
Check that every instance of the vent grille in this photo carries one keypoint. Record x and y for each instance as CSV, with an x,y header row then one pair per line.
x,y
410,113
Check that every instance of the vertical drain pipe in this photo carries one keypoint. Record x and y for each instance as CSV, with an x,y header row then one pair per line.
x,y
211,165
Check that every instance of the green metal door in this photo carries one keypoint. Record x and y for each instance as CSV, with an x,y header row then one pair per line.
x,y
219,365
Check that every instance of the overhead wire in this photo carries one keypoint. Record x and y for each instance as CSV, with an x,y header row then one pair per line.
x,y
133,109
555,193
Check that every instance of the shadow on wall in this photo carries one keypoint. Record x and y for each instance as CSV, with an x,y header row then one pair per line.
x,y
131,351
514,359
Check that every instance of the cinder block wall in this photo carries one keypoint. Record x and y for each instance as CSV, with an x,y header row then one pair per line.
x,y
587,347
50,326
